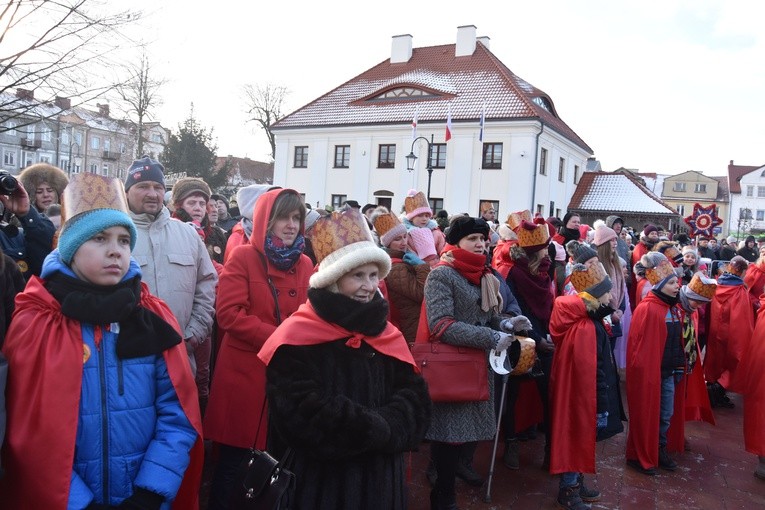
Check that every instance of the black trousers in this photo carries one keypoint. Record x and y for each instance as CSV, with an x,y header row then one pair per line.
x,y
229,459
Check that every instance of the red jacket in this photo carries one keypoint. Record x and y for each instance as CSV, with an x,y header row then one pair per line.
x,y
752,377
573,393
237,237
43,411
246,311
640,250
645,348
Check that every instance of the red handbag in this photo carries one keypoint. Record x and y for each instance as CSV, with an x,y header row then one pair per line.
x,y
453,373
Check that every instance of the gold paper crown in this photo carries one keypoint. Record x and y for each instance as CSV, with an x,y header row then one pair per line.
x,y
417,201
532,236
662,270
87,191
515,219
704,287
337,230
586,277
385,222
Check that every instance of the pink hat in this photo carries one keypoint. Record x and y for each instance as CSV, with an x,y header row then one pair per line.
x,y
603,234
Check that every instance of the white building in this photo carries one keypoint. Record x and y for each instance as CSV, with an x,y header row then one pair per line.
x,y
352,142
747,199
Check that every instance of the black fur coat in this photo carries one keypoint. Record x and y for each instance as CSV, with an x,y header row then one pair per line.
x,y
348,414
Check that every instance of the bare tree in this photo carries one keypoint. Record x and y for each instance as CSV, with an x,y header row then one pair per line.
x,y
264,105
56,48
140,94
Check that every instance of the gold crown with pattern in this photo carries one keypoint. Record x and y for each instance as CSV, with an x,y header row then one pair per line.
x,y
87,191
662,267
416,204
592,279
388,227
533,237
515,219
703,286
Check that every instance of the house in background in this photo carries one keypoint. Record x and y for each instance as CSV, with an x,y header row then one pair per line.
x,y
155,138
601,194
683,190
747,199
351,143
243,172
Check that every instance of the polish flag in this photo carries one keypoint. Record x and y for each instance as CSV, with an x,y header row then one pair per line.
x,y
414,123
481,123
449,124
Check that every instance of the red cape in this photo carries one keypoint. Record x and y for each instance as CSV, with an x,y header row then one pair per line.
x,y
645,348
752,378
43,411
640,250
305,327
730,332
755,280
573,394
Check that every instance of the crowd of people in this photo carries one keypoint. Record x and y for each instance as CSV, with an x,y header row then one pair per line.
x,y
138,323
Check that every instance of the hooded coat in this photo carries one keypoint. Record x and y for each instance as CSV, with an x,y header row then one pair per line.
x,y
755,280
750,254
246,312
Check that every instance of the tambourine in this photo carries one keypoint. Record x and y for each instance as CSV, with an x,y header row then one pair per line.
x,y
503,365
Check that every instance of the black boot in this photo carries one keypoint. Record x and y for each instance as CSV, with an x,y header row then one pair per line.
x,y
465,465
431,473
568,498
665,461
511,458
588,495
438,502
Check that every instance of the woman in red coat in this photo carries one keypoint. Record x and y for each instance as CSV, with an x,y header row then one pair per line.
x,y
263,283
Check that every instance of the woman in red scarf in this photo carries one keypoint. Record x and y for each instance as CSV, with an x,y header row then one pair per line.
x,y
344,395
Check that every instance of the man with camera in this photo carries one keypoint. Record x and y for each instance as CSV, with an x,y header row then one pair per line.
x,y
28,240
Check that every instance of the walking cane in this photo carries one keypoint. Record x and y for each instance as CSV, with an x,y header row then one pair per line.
x,y
498,365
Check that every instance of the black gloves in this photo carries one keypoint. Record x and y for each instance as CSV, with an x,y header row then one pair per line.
x,y
142,500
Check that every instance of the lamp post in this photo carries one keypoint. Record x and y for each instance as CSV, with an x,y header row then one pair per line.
x,y
411,159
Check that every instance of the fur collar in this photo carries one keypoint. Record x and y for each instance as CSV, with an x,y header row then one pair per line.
x,y
366,318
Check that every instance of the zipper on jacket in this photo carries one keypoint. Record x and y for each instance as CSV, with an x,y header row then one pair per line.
x,y
104,417
120,379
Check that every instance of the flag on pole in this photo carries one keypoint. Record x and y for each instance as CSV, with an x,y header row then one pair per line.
x,y
414,123
449,123
483,119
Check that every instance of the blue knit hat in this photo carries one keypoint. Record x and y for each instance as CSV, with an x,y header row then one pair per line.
x,y
91,204
145,169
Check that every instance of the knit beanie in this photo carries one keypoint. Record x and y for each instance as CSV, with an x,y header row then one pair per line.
x,y
463,226
145,169
91,204
310,218
567,217
187,186
217,197
649,228
342,242
581,252
415,204
603,234
247,197
388,226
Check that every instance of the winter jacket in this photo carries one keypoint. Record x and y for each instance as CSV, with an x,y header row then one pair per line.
x,y
29,247
406,287
177,268
247,314
750,254
449,295
621,246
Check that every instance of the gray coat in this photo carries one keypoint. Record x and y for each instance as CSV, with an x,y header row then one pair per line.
x,y
449,294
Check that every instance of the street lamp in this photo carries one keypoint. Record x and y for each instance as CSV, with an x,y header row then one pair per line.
x,y
411,159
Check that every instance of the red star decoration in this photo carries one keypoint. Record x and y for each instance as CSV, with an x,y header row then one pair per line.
x,y
703,220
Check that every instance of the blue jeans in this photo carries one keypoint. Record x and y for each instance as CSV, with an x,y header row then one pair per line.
x,y
568,480
667,407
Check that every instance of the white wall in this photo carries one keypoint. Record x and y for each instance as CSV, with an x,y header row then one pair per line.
x,y
739,201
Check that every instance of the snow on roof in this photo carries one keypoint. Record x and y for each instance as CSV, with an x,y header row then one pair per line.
x,y
616,193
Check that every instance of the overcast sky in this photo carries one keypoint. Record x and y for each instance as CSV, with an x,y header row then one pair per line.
x,y
657,85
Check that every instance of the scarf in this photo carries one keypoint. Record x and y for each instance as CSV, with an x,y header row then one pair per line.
x,y
570,234
281,256
688,332
142,332
669,300
535,289
473,267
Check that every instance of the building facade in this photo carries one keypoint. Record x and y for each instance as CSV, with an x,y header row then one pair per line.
x,y
683,191
506,143
747,199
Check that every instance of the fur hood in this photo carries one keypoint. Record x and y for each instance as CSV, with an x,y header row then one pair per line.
x,y
34,175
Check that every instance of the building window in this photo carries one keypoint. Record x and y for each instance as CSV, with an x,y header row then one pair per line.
x,y
105,170
387,156
760,191
65,165
156,138
78,138
492,156
76,168
576,175
107,144
701,188
123,148
44,159
543,162
436,204
680,209
93,168
562,170
342,156
9,158
95,143
745,213
750,191
438,155
10,128
27,158
301,157
65,137
760,215
338,201
557,213
679,186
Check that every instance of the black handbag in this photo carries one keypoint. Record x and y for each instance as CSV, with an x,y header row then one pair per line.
x,y
263,483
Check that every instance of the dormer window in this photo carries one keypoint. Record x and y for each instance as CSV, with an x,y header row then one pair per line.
x,y
403,93
543,102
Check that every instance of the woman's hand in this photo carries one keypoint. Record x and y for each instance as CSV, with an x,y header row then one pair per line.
x,y
616,317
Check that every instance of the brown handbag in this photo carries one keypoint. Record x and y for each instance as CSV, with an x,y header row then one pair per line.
x,y
453,373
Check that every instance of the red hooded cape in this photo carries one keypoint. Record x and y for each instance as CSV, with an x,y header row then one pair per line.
x,y
573,394
645,348
730,332
752,378
43,411
305,327
755,280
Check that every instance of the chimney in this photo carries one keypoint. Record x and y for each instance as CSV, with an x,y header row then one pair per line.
x,y
63,102
103,110
401,49
485,40
465,41
25,94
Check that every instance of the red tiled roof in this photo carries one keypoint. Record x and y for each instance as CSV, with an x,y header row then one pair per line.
x,y
248,169
465,83
615,193
735,173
